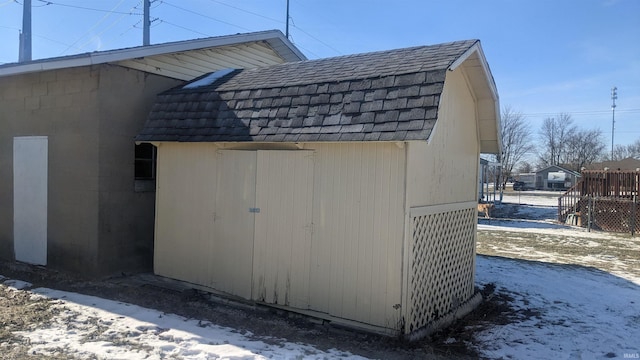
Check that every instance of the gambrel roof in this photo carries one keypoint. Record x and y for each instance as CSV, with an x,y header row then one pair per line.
x,y
382,96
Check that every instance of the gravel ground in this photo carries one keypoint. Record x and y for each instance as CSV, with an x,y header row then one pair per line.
x,y
23,311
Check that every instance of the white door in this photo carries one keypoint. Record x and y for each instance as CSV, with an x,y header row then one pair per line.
x,y
282,248
30,159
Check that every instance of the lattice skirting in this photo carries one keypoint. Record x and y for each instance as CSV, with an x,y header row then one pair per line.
x,y
611,215
441,262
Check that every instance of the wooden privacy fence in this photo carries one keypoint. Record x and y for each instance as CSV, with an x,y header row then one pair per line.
x,y
605,200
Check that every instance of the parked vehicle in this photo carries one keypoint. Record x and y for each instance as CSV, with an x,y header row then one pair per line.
x,y
519,186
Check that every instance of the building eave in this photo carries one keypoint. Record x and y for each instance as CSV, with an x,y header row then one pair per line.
x,y
274,38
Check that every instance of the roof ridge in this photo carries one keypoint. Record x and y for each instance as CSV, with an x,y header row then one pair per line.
x,y
351,67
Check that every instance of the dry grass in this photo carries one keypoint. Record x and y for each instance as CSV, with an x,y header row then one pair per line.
x,y
616,254
22,311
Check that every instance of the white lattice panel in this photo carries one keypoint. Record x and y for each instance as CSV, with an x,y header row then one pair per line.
x,y
442,264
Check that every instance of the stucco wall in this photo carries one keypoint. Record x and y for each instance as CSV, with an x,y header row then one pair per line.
x,y
126,217
61,105
90,116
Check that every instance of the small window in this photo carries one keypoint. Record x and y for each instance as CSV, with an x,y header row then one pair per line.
x,y
145,168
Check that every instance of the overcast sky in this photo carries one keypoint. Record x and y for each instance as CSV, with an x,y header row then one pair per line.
x,y
547,56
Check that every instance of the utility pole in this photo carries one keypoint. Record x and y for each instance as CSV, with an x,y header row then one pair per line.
x,y
614,96
25,35
287,28
146,24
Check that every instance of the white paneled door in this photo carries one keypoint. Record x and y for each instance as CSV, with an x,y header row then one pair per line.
x,y
30,161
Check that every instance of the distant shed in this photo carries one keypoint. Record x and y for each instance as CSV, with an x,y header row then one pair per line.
x,y
344,188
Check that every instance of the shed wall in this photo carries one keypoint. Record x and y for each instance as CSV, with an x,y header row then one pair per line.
x,y
445,169
442,195
355,255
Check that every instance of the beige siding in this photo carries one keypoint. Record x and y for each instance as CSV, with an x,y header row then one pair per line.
x,y
445,170
185,211
358,230
354,254
233,226
284,195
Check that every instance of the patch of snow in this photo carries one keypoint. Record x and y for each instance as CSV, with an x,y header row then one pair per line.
x,y
16,284
88,326
538,198
578,312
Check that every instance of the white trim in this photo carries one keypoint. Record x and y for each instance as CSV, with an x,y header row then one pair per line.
x,y
436,209
275,38
476,48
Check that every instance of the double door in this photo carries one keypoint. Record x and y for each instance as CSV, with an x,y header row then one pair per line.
x,y
261,238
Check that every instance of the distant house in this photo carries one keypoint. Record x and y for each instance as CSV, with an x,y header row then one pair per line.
x,y
556,177
76,192
345,188
624,164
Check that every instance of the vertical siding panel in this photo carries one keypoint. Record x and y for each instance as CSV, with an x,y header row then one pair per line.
x,y
382,236
319,279
395,238
356,225
350,231
366,231
232,246
336,218
302,184
282,242
185,193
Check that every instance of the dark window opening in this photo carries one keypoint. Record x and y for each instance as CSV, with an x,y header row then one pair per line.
x,y
145,162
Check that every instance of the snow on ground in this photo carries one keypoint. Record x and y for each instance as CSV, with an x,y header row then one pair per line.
x,y
576,312
585,310
540,198
581,291
89,327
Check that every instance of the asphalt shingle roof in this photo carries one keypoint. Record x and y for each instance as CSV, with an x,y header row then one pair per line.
x,y
381,96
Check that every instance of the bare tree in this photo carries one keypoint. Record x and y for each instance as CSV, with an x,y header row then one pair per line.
x,y
626,151
554,135
516,141
525,167
583,147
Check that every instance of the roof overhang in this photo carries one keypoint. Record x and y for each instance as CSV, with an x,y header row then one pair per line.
x,y
484,88
182,60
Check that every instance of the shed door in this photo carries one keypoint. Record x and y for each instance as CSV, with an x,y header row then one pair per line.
x,y
30,199
233,227
281,256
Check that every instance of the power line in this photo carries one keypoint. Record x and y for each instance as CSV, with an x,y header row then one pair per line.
x,y
584,113
248,12
184,28
203,15
88,8
280,22
104,17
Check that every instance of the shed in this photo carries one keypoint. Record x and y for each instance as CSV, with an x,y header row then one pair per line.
x,y
344,188
555,177
76,193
